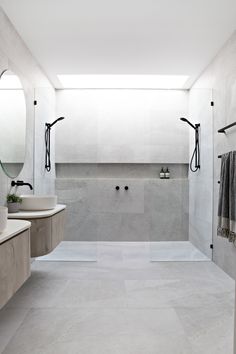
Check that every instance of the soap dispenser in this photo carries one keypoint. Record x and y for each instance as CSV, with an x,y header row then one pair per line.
x,y
167,173
162,173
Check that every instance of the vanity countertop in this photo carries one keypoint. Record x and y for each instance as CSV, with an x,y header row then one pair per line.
x,y
36,214
13,228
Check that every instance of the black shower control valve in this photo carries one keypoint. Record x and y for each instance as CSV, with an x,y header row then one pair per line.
x,y
117,188
126,188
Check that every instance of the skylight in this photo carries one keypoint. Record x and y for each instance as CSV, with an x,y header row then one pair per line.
x,y
123,81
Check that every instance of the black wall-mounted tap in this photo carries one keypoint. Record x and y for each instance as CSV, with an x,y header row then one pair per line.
x,y
21,183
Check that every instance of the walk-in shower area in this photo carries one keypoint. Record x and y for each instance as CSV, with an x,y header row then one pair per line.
x,y
135,166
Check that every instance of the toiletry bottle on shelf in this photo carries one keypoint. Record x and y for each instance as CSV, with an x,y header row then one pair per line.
x,y
162,173
167,173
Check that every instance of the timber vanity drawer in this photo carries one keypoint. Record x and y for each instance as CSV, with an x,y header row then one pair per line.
x,y
14,258
47,229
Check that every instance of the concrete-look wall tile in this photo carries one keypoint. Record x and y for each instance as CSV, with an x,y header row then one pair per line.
x,y
122,126
106,199
150,209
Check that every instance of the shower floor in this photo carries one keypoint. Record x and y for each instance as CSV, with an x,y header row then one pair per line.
x,y
75,251
178,251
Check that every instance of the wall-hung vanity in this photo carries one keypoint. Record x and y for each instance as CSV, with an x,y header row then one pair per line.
x,y
47,228
14,258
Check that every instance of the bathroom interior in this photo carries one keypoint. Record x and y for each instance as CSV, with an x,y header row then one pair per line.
x,y
117,122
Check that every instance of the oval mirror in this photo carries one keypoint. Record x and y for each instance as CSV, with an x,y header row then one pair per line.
x,y
12,124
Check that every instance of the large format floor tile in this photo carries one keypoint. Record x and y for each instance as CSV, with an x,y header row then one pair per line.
x,y
209,329
121,304
44,329
10,320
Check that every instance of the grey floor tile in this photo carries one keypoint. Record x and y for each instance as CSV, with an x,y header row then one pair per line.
x,y
209,329
92,293
124,331
122,304
38,292
10,320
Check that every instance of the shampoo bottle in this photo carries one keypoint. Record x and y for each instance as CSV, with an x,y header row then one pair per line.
x,y
167,173
162,173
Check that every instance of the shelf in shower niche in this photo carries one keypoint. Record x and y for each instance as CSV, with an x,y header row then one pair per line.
x,y
122,178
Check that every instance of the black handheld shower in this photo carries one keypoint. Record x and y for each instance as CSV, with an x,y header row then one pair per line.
x,y
55,121
48,143
187,121
196,151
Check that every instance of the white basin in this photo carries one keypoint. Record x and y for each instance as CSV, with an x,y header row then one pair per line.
x,y
38,202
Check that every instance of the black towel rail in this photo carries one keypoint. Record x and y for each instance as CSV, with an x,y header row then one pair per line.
x,y
222,130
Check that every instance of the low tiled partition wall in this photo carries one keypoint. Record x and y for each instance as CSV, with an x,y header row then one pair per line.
x,y
150,210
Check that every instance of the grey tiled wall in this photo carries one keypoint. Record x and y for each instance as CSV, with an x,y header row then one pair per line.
x,y
152,209
122,126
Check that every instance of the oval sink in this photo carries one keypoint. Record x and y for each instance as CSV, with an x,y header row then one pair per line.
x,y
38,202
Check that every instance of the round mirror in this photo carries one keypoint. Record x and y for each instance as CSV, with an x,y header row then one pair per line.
x,y
12,123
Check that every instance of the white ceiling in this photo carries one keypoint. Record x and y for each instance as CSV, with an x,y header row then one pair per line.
x,y
174,37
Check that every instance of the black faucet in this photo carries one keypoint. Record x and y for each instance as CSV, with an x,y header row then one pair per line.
x,y
21,183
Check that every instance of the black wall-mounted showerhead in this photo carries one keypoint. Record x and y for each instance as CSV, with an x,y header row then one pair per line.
x,y
55,121
187,121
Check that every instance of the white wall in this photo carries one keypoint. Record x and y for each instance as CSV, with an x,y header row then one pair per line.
x,y
125,126
15,55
